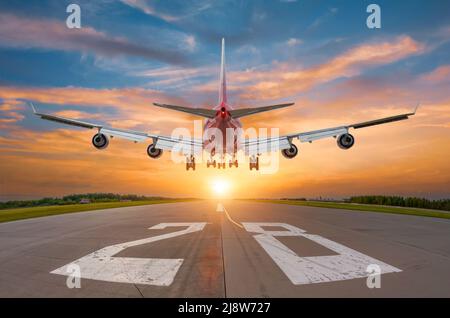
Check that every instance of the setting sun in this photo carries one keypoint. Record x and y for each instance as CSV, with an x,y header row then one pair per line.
x,y
220,187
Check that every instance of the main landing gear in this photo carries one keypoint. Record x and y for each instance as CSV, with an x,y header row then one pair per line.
x,y
210,163
254,163
190,163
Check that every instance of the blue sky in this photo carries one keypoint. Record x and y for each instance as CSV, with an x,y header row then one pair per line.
x,y
257,33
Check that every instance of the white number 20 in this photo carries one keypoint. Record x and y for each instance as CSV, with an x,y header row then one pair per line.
x,y
347,264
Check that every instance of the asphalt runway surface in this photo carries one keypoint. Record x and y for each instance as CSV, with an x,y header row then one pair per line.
x,y
192,250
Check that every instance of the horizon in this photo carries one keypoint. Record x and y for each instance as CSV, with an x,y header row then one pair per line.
x,y
218,197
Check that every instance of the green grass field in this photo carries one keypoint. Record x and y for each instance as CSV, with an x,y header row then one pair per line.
x,y
34,212
365,207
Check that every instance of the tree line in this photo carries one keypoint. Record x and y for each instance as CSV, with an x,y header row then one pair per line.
x,y
412,202
75,199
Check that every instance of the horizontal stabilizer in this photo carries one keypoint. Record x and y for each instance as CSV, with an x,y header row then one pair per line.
x,y
237,113
208,113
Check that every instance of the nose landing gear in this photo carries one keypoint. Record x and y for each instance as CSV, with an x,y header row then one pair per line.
x,y
222,162
233,163
221,165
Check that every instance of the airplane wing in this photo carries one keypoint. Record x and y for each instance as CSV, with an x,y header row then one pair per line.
x,y
203,112
258,146
187,146
237,113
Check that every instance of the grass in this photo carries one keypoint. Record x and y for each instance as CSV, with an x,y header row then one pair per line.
x,y
34,212
365,207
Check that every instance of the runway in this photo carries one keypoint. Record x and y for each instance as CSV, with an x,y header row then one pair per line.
x,y
192,250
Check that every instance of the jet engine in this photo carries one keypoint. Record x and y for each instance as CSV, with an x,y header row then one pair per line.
x,y
154,152
100,141
290,153
345,141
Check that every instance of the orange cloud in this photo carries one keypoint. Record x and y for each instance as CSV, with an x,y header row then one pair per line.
x,y
409,157
81,96
132,106
286,80
440,74
75,114
406,158
9,111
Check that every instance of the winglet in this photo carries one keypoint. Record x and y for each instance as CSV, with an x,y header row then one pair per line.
x,y
417,107
32,107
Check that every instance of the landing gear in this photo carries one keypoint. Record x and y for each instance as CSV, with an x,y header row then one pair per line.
x,y
233,163
190,163
254,163
221,165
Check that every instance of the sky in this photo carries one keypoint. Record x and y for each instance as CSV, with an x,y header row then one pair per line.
x,y
319,54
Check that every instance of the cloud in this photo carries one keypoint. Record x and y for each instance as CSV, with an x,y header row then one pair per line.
x,y
284,80
190,10
248,49
75,114
190,43
148,9
121,108
409,157
405,158
293,42
317,22
10,111
171,77
63,161
82,96
440,74
171,72
52,34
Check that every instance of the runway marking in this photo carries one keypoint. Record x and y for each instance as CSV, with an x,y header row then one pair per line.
x,y
349,264
221,208
102,265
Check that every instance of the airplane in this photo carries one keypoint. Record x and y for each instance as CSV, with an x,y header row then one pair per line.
x,y
222,118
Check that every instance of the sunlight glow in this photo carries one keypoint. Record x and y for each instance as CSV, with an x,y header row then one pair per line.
x,y
220,187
